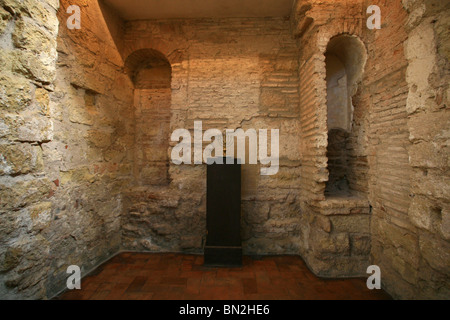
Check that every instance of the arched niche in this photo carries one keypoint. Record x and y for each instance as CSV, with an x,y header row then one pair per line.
x,y
151,74
345,60
148,69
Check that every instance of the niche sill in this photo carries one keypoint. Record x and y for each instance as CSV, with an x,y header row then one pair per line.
x,y
343,205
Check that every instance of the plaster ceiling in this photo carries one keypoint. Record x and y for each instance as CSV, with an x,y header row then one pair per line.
x,y
186,9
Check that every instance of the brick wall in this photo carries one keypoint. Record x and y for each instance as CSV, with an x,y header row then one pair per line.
x,y
229,74
406,231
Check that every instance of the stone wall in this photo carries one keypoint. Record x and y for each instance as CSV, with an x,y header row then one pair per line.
x,y
390,172
397,143
28,55
85,127
414,259
229,74
425,272
65,144
91,154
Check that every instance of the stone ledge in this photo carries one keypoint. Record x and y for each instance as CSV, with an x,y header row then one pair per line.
x,y
341,206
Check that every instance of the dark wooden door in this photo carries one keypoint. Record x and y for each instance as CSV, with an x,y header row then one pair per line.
x,y
223,207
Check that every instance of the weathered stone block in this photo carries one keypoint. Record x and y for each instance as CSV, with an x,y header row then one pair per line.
x,y
445,223
420,131
256,212
163,228
342,206
15,92
5,17
420,212
427,155
10,259
4,129
7,59
42,14
172,201
41,215
435,184
324,243
338,265
77,176
20,159
360,244
99,138
420,51
155,153
31,37
282,226
262,246
154,175
403,240
17,194
36,128
31,269
323,223
191,242
443,34
352,224
22,7
36,67
408,271
79,114
10,225
272,99
146,244
436,252
42,100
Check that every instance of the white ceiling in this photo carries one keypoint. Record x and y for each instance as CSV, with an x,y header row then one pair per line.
x,y
185,9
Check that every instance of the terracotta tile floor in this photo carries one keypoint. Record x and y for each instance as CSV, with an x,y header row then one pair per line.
x,y
140,276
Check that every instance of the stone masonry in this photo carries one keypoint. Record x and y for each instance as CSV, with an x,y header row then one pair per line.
x,y
229,74
87,114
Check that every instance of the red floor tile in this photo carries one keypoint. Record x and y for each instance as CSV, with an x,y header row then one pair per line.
x,y
141,276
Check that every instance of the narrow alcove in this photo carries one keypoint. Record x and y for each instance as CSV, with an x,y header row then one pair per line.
x,y
345,61
151,74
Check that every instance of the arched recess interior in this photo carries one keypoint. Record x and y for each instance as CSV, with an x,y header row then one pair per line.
x,y
151,74
345,61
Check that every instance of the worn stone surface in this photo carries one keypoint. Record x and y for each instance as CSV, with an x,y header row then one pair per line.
x,y
15,91
246,78
20,159
63,147
426,51
86,118
5,17
398,140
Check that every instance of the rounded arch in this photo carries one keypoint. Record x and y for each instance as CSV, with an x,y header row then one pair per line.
x,y
172,52
351,51
148,69
151,74
345,60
